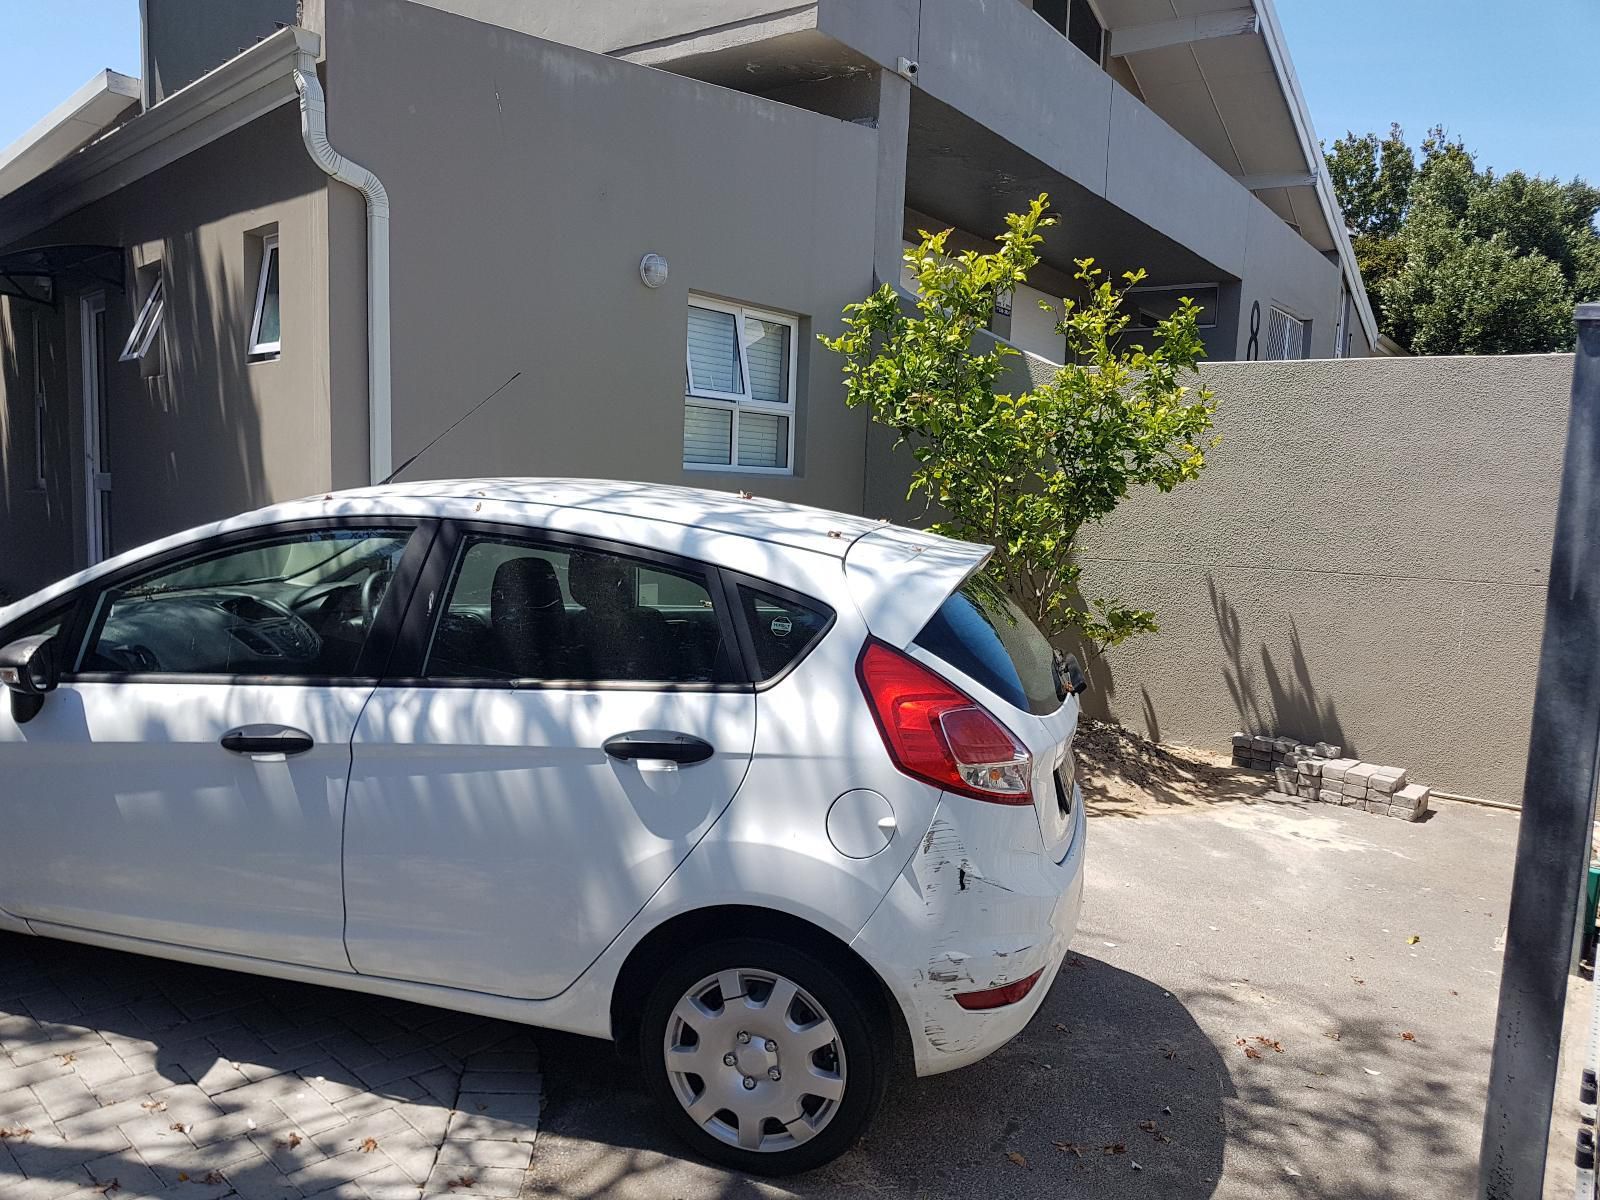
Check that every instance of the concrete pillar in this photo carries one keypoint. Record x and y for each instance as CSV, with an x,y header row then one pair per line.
x,y
894,131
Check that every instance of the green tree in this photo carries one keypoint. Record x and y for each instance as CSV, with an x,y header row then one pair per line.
x,y
1458,260
1025,472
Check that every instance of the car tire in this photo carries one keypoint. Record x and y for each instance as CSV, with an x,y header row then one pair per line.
x,y
725,1091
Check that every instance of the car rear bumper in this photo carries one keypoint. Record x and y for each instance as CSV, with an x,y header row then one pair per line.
x,y
978,906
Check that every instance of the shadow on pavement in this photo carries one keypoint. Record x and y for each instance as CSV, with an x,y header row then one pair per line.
x,y
1112,1072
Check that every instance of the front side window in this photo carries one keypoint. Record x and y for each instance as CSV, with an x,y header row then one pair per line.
x,y
299,605
536,612
740,385
266,335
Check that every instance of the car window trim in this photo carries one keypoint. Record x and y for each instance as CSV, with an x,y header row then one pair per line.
x,y
731,583
437,575
375,652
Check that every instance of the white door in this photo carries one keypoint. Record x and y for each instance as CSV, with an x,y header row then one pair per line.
x,y
186,782
96,431
569,731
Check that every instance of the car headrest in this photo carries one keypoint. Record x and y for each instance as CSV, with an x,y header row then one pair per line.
x,y
522,585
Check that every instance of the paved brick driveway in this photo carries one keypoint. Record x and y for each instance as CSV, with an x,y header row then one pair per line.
x,y
130,1077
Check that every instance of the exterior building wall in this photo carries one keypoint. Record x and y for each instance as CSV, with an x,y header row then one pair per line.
x,y
213,433
1363,562
524,197
183,39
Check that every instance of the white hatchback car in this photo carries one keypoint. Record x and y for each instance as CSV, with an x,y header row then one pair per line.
x,y
771,794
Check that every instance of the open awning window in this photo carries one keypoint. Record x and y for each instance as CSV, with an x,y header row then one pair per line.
x,y
145,328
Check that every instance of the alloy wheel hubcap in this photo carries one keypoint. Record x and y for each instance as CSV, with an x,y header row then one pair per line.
x,y
754,1059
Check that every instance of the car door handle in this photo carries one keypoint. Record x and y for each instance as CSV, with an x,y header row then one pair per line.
x,y
660,745
267,739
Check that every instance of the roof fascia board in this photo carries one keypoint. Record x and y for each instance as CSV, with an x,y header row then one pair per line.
x,y
103,83
1278,50
1134,39
240,90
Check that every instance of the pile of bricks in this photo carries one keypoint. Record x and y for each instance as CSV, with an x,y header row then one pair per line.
x,y
1317,772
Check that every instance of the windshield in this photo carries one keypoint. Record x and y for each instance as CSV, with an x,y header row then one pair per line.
x,y
982,632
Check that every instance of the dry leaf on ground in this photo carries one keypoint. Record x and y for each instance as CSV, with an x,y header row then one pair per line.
x,y
1114,1148
1413,939
1408,1036
155,1106
462,1181
1017,1158
1071,1148
368,1145
178,1127
288,1142
14,1131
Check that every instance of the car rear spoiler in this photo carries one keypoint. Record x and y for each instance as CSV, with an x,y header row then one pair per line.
x,y
899,577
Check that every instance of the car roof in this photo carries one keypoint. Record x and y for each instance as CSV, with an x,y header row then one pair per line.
x,y
741,513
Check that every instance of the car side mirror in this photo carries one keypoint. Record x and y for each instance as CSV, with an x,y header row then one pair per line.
x,y
29,671
1070,680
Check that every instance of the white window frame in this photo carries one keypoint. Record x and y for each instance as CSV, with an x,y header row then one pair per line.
x,y
142,337
41,408
734,402
258,348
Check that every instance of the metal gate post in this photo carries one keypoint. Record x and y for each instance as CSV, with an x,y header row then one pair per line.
x,y
1558,798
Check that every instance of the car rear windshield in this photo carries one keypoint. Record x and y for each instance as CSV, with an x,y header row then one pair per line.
x,y
980,631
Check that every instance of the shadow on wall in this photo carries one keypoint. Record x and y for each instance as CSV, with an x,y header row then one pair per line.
x,y
1291,705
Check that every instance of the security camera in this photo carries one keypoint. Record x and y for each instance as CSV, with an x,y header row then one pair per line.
x,y
907,67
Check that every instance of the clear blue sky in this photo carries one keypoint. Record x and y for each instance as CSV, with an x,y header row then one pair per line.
x,y
1518,80
1512,78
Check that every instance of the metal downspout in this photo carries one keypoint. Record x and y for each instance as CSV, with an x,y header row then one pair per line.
x,y
314,132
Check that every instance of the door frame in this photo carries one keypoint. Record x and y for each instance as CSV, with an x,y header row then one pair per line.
x,y
92,384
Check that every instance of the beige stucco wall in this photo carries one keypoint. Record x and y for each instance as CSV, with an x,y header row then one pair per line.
x,y
1362,562
213,434
524,196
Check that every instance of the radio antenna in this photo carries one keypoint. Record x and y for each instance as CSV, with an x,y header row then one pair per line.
x,y
390,477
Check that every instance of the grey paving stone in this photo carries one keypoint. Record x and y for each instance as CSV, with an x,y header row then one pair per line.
x,y
128,1170
486,1154
485,1181
481,1125
1334,769
66,1096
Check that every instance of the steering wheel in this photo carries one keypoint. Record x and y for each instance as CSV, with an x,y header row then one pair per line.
x,y
373,588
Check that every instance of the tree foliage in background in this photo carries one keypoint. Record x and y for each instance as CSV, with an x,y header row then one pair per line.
x,y
1459,260
1025,472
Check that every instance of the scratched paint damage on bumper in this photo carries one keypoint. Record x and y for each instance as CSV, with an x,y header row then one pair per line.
x,y
977,906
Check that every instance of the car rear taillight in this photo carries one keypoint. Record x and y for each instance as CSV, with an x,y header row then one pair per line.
x,y
998,997
939,734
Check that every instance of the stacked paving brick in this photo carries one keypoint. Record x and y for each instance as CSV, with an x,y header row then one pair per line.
x,y
1317,772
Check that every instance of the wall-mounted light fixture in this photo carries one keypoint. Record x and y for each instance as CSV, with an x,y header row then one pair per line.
x,y
653,270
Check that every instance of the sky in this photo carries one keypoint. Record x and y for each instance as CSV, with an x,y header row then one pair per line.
x,y
1517,79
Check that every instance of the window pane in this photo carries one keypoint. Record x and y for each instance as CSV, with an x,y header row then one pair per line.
x,y
782,630
145,327
1053,11
518,610
713,352
763,439
768,354
707,435
267,329
290,606
1085,32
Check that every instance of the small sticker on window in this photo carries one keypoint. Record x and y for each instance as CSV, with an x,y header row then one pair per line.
x,y
782,626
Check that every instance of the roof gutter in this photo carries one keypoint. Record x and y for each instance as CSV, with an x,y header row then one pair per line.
x,y
314,132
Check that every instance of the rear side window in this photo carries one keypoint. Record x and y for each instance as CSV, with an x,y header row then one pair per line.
x,y
782,628
557,613
982,633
